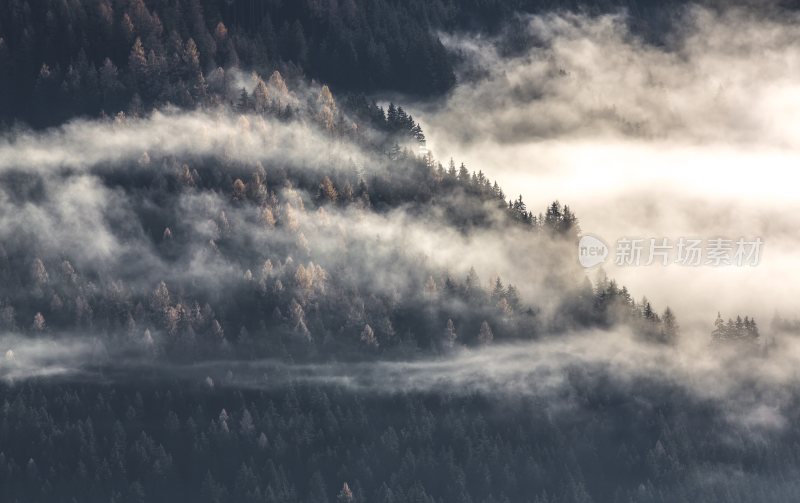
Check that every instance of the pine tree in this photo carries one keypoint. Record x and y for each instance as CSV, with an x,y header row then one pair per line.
x,y
569,224
138,66
718,334
463,174
450,334
499,291
39,323
161,297
485,335
671,329
277,85
391,118
418,134
472,283
244,105
345,495
512,296
39,272
647,310
327,192
194,75
299,321
246,425
754,335
451,169
261,98
498,192
553,218
111,88
326,109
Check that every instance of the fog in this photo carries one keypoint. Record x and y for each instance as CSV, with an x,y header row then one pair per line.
x,y
751,393
697,138
22,358
82,144
64,207
694,138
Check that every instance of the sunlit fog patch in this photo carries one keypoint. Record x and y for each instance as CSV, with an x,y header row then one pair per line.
x,y
725,77
695,137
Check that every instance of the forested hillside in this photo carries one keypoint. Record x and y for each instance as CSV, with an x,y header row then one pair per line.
x,y
132,267
216,254
231,270
59,59
190,443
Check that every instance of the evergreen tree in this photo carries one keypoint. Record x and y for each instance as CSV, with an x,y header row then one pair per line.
x,y
450,334
345,495
138,67
245,104
368,337
718,334
670,329
485,335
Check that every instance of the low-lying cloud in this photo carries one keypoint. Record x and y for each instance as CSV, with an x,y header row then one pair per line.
x,y
697,137
751,392
91,192
82,144
23,358
724,77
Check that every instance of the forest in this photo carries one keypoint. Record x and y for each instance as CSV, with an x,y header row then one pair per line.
x,y
232,270
61,59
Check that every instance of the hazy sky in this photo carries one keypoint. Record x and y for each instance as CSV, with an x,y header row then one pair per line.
x,y
695,139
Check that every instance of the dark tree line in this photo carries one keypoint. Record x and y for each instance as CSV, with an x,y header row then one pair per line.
x,y
607,304
140,442
60,59
741,331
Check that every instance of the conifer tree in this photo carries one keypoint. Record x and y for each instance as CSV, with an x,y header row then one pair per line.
x,y
485,335
450,334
